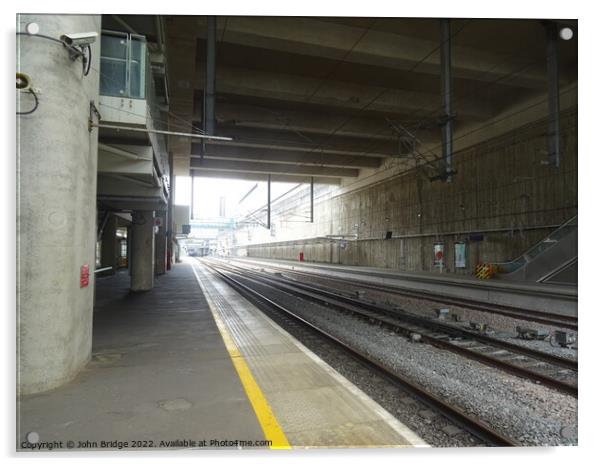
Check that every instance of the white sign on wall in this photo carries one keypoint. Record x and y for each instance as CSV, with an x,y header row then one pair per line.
x,y
460,255
438,254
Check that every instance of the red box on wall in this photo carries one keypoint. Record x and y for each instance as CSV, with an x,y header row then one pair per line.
x,y
84,276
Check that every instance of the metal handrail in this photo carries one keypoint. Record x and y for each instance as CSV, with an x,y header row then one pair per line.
x,y
541,246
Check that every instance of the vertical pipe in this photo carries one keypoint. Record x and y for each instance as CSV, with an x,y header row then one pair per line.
x,y
446,98
191,195
311,200
170,219
210,78
269,223
553,136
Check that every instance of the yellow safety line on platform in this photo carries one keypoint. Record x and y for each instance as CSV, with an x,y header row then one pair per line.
x,y
269,424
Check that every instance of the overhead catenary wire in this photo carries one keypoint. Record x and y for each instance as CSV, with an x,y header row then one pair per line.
x,y
504,77
424,119
488,84
481,153
323,143
263,207
342,60
457,101
495,121
384,91
156,120
466,134
187,123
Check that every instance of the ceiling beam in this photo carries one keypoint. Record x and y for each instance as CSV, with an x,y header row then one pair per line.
x,y
383,76
317,120
275,105
253,154
302,89
202,173
312,36
273,168
307,142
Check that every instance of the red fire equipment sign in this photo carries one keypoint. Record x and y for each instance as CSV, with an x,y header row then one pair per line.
x,y
84,276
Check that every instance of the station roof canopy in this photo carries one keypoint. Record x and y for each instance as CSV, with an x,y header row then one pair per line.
x,y
330,97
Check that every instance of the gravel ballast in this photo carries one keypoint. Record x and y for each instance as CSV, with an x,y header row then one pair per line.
x,y
529,413
503,327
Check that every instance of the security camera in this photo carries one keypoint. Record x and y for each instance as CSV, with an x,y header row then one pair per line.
x,y
80,39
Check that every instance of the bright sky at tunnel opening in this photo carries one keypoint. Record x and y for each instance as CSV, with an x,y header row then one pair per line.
x,y
209,191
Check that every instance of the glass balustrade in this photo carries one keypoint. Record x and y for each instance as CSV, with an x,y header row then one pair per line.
x,y
123,65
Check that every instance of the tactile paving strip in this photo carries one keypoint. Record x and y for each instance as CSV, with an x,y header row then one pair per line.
x,y
316,406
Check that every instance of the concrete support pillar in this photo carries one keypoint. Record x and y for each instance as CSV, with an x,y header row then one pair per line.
x,y
143,250
109,246
56,206
161,245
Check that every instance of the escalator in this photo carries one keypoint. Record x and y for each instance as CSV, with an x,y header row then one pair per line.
x,y
553,260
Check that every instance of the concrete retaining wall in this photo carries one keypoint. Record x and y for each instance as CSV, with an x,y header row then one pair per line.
x,y
502,190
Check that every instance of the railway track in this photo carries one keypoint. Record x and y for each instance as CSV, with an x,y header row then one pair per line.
x,y
544,368
547,318
467,422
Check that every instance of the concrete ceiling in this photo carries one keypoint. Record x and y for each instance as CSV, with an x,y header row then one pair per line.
x,y
316,96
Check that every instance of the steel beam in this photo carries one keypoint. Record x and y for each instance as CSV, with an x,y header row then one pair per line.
x,y
209,107
311,205
553,133
273,168
191,195
306,141
170,210
446,99
290,157
203,173
269,222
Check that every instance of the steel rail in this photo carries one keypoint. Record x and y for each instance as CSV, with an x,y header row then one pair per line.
x,y
547,318
452,413
352,305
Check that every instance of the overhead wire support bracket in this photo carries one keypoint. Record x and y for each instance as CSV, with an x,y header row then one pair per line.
x,y
553,133
209,94
157,131
446,98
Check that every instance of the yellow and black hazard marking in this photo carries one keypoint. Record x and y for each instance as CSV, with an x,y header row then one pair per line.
x,y
485,271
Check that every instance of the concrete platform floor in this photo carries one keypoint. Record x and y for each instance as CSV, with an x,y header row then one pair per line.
x,y
313,405
166,370
159,372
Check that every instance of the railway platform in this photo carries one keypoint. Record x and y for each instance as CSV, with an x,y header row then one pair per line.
x,y
191,364
553,298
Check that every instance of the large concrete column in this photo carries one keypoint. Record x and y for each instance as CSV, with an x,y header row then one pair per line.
x,y
161,245
56,209
143,250
109,247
